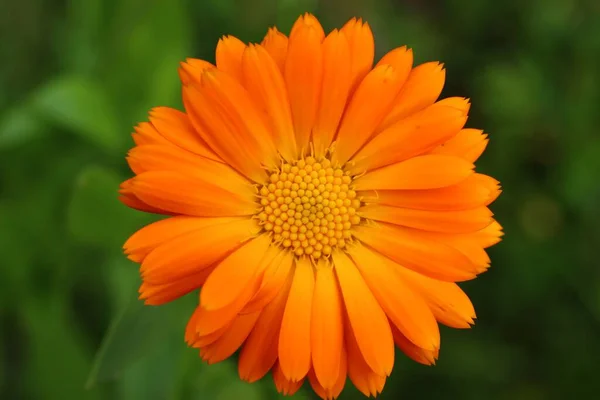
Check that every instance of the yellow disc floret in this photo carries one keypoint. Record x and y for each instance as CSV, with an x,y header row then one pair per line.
x,y
309,207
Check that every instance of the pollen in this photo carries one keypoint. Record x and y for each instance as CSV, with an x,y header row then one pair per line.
x,y
309,207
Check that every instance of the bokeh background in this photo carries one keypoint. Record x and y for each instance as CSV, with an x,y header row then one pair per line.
x,y
75,76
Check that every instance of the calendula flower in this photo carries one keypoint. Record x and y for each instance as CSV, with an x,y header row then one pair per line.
x,y
325,207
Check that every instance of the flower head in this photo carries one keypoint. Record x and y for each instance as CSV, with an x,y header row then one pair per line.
x,y
326,207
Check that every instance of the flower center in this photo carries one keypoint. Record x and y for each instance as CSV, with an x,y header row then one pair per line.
x,y
309,206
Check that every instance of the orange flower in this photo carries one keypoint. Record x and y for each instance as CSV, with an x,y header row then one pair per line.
x,y
326,207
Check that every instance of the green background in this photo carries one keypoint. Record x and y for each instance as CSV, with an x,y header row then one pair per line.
x,y
75,76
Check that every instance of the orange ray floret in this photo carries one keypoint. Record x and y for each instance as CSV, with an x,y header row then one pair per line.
x,y
362,48
174,126
327,335
229,56
406,309
362,117
273,280
276,44
303,73
294,340
423,172
412,136
366,317
264,82
475,191
190,71
324,207
337,81
422,88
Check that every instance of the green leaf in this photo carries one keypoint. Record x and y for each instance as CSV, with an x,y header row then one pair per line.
x,y
57,356
237,389
123,278
221,382
19,125
81,105
143,72
82,34
156,376
136,332
95,214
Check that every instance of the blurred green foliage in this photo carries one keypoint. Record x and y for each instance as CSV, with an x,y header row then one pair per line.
x,y
77,75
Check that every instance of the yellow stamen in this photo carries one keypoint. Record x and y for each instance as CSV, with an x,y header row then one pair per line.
x,y
309,206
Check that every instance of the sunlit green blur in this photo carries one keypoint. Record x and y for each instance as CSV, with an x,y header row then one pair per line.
x,y
76,76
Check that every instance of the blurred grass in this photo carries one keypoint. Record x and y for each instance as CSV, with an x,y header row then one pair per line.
x,y
76,76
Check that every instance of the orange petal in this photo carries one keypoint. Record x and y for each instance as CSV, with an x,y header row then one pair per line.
x,y
405,308
492,185
327,335
316,386
160,294
241,116
423,172
190,328
410,137
483,238
210,321
468,144
146,133
261,348
191,195
362,48
422,88
231,340
131,201
415,251
362,376
449,304
154,157
308,20
475,191
149,237
176,127
228,280
276,43
369,104
191,70
462,242
193,339
229,56
294,340
338,386
303,73
224,115
401,58
273,280
204,340
334,92
462,104
284,385
438,221
489,236
127,197
418,354
366,318
265,83
470,244
191,252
